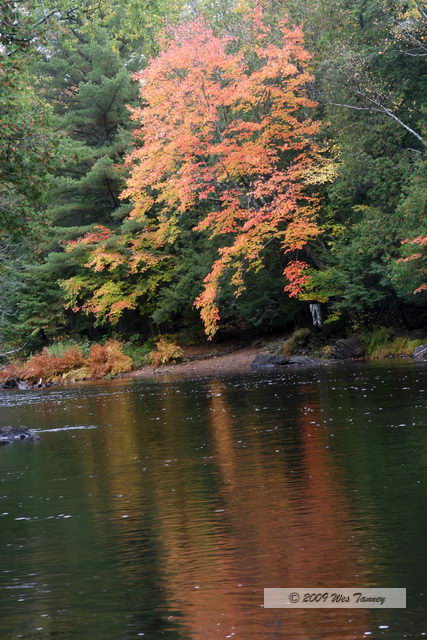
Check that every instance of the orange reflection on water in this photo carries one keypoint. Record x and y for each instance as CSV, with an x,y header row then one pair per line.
x,y
275,531
268,527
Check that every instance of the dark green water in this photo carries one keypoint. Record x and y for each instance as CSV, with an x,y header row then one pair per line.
x,y
189,497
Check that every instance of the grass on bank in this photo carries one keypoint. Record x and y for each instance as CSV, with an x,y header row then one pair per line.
x,y
379,343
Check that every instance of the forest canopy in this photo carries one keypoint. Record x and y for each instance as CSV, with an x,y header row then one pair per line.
x,y
204,166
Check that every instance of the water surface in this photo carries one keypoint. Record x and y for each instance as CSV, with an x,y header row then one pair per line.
x,y
185,498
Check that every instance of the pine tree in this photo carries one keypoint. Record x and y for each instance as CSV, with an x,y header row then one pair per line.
x,y
90,87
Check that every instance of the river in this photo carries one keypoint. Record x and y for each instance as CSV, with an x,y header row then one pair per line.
x,y
175,502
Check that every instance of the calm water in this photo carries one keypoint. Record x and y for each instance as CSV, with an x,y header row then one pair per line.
x,y
188,497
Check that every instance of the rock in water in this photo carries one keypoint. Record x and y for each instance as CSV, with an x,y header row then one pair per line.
x,y
268,360
16,434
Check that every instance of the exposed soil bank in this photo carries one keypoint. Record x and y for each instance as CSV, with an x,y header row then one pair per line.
x,y
204,361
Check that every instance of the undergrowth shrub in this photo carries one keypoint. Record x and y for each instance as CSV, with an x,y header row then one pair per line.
x,y
296,341
101,361
46,366
107,360
398,347
380,344
327,351
375,339
9,371
165,351
62,346
140,353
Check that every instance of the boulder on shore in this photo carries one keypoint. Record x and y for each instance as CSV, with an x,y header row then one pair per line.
x,y
348,348
268,361
16,434
420,353
303,361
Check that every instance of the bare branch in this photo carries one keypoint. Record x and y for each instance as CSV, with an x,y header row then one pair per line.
x,y
414,55
390,114
8,353
416,40
380,108
44,19
350,106
67,16
422,10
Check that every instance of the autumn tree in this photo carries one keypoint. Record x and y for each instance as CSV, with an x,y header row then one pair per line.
x,y
228,133
409,273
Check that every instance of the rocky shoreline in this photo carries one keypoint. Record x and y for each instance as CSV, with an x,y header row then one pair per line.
x,y
226,359
244,359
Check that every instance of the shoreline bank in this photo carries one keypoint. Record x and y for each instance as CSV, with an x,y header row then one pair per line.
x,y
226,358
236,361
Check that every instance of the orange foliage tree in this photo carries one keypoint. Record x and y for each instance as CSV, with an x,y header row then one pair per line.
x,y
225,129
418,260
223,137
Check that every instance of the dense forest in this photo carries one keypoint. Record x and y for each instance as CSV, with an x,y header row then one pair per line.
x,y
208,167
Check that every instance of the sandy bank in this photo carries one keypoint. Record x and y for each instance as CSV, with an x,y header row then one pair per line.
x,y
203,362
